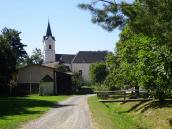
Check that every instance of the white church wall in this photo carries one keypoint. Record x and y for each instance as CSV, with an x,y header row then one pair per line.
x,y
76,67
69,65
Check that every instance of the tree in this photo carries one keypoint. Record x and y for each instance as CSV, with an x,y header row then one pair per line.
x,y
11,37
62,68
11,53
36,57
140,62
143,55
98,72
146,16
153,68
7,63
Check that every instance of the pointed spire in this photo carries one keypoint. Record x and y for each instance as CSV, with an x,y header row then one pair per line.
x,y
48,33
48,30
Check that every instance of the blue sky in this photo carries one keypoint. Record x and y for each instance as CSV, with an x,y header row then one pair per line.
x,y
71,26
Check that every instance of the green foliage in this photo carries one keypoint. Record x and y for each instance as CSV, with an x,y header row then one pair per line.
x,y
12,38
139,61
100,87
36,57
62,68
76,82
11,53
98,72
105,14
143,55
151,17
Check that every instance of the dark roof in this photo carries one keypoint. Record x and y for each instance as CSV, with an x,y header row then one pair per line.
x,y
47,78
48,30
90,56
48,33
64,58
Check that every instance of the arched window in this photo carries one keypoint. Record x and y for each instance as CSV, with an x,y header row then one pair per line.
x,y
49,46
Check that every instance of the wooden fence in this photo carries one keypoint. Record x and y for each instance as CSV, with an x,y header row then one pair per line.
x,y
123,95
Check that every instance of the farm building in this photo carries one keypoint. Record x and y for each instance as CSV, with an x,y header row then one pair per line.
x,y
30,77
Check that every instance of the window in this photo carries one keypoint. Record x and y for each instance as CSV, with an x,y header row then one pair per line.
x,y
80,73
49,46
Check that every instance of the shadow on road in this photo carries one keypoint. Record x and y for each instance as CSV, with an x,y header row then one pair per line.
x,y
17,106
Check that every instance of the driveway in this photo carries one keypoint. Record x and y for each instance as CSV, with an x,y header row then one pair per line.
x,y
70,114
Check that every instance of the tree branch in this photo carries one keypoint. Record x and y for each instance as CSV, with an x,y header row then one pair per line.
x,y
106,1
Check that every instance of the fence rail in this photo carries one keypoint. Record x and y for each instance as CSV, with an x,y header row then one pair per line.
x,y
123,95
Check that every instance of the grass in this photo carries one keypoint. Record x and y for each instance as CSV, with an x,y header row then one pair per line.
x,y
131,115
14,111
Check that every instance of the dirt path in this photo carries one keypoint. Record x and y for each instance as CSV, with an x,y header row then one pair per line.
x,y
70,114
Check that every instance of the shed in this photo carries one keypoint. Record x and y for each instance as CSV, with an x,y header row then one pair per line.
x,y
29,78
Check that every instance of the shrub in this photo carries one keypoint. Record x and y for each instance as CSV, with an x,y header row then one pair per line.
x,y
98,72
62,68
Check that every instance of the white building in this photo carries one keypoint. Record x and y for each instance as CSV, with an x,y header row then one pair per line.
x,y
49,46
77,63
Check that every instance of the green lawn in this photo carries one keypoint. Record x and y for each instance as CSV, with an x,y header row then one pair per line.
x,y
131,115
14,111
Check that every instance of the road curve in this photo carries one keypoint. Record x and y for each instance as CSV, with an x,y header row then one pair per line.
x,y
70,114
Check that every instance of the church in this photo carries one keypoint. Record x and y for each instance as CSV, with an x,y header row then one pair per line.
x,y
79,62
31,78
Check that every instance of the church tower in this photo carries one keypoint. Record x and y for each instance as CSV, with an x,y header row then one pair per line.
x,y
49,46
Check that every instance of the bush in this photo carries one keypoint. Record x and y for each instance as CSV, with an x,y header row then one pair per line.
x,y
62,68
98,72
100,87
76,82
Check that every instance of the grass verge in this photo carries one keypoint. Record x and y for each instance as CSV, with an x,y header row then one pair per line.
x,y
131,115
14,111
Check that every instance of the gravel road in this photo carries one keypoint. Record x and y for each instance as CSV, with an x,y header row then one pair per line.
x,y
70,114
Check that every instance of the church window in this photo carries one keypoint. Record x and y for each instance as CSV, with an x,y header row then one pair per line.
x,y
49,46
80,73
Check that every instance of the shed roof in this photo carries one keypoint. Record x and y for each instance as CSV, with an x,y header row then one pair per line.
x,y
50,66
45,66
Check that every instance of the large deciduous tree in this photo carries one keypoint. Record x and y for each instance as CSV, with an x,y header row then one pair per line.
x,y
143,56
11,53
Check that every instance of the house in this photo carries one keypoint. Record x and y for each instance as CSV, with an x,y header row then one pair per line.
x,y
77,63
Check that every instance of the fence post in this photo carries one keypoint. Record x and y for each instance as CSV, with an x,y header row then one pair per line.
x,y
124,95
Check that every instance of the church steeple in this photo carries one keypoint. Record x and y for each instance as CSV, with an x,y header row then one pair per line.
x,y
49,46
48,33
48,30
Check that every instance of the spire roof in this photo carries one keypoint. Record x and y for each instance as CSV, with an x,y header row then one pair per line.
x,y
48,33
48,30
